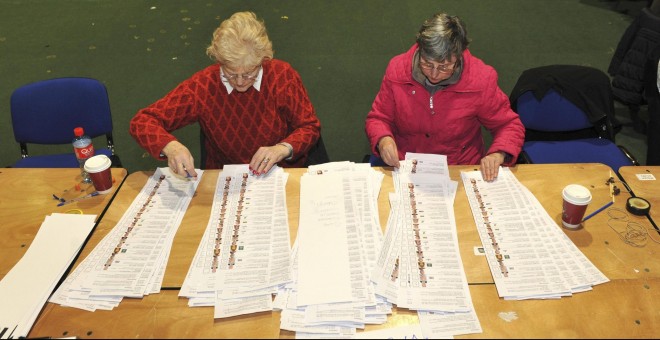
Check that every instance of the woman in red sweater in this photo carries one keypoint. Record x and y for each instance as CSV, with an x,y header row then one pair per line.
x,y
252,108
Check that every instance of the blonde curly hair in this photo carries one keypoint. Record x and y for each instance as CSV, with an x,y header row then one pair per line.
x,y
241,41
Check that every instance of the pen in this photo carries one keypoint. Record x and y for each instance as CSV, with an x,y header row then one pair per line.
x,y
597,211
95,193
187,173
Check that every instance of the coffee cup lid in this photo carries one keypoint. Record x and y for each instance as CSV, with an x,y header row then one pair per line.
x,y
577,194
97,163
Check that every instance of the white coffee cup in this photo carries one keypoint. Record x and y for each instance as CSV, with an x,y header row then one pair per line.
x,y
576,199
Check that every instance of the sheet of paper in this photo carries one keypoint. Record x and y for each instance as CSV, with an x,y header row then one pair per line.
x,y
26,287
323,267
400,332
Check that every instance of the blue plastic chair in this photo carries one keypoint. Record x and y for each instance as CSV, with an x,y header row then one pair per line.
x,y
47,111
553,113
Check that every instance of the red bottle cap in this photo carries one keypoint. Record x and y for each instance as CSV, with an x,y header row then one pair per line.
x,y
78,131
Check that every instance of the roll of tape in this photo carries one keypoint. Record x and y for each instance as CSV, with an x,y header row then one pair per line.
x,y
638,206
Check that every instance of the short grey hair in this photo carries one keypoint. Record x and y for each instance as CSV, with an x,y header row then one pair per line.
x,y
441,37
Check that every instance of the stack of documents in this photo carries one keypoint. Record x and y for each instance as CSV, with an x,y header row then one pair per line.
x,y
529,256
419,266
130,261
245,251
25,289
337,244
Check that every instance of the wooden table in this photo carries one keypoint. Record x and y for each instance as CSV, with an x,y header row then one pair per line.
x,y
27,198
624,307
621,308
647,188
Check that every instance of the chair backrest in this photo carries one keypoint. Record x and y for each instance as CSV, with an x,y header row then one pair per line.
x,y
47,111
317,154
552,113
572,91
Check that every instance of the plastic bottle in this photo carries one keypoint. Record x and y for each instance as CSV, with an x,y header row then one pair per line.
x,y
84,149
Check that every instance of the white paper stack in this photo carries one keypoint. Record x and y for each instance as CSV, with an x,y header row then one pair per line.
x,y
419,266
130,260
245,251
529,256
25,289
338,240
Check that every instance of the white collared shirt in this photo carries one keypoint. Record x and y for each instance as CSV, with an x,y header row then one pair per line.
x,y
256,84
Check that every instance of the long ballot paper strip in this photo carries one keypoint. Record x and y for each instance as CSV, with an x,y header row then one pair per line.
x,y
25,289
420,266
528,254
245,251
130,260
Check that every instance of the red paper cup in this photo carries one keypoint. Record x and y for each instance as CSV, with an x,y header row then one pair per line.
x,y
98,168
576,200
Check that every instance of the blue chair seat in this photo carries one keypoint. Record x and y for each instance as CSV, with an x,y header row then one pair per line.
x,y
376,161
591,150
66,160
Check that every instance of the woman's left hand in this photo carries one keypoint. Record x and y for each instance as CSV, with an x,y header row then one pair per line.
x,y
266,157
490,165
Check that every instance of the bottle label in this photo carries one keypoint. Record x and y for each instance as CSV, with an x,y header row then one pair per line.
x,y
86,152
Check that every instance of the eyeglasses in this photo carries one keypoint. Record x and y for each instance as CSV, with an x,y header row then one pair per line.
x,y
445,68
246,76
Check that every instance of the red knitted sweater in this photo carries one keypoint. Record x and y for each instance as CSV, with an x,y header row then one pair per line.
x,y
235,124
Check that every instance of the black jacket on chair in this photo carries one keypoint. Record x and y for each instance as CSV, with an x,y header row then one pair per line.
x,y
586,87
628,64
652,95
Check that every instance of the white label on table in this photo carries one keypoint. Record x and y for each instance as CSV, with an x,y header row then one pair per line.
x,y
645,177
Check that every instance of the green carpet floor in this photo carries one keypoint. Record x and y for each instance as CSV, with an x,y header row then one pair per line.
x,y
142,49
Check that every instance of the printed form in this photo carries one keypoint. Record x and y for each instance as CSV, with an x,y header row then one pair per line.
x,y
130,260
419,266
245,251
529,256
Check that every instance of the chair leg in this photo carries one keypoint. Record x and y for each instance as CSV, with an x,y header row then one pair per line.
x,y
523,158
628,154
116,162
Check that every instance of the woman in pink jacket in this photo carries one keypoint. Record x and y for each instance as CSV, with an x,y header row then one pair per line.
x,y
436,97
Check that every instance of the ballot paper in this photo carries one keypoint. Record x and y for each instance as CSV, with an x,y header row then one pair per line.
x,y
348,275
130,260
529,256
25,289
339,238
245,251
419,266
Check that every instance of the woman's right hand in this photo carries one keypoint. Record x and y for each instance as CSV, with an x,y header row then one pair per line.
x,y
388,151
179,159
